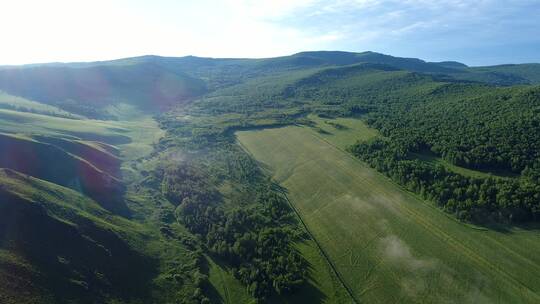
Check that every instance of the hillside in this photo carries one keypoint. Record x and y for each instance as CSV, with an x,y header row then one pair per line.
x,y
48,160
59,246
71,228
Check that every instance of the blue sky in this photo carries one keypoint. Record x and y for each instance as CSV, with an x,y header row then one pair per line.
x,y
478,32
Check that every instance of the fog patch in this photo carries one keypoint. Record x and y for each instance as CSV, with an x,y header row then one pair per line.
x,y
415,283
397,252
476,296
357,202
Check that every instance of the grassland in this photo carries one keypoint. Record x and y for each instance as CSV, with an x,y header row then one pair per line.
x,y
388,245
225,288
30,266
341,132
134,134
434,160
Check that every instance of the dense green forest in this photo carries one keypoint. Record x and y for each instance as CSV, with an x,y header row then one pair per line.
x,y
477,127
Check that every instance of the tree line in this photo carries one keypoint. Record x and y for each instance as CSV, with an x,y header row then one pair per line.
x,y
480,200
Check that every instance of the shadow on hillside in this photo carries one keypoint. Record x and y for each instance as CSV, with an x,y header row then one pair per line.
x,y
209,289
80,262
306,293
510,228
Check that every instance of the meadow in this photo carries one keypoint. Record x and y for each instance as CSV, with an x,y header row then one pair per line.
x,y
387,244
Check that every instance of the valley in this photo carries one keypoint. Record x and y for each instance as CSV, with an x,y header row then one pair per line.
x,y
320,177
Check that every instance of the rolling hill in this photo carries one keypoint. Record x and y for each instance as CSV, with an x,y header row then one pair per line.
x,y
158,83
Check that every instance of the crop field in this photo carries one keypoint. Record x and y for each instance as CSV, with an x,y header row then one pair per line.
x,y
387,245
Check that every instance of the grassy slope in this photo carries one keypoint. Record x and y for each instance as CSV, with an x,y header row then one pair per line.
x,y
22,104
225,288
30,123
131,139
134,134
67,163
387,244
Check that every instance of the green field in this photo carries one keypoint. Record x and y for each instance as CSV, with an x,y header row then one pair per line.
x,y
388,245
341,132
434,160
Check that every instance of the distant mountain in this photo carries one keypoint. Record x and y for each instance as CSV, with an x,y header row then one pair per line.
x,y
157,83
451,64
507,74
144,84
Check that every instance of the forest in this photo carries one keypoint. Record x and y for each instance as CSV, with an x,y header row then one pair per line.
x,y
493,132
254,231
